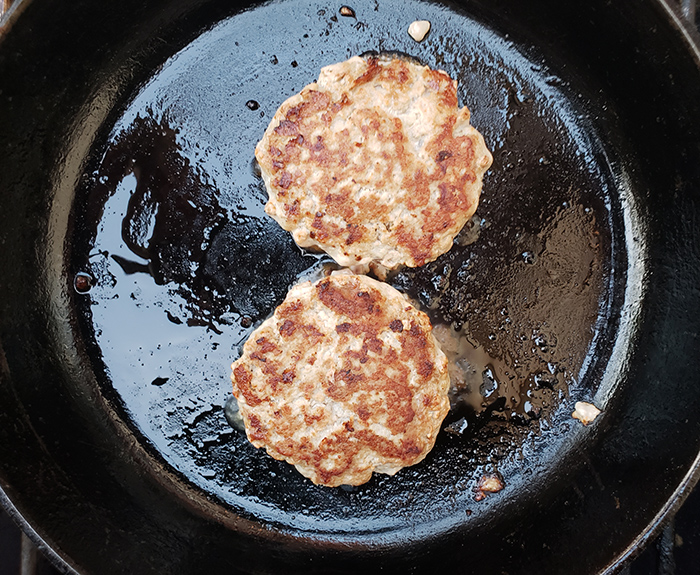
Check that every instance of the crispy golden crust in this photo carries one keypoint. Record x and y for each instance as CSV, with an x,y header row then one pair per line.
x,y
344,379
374,163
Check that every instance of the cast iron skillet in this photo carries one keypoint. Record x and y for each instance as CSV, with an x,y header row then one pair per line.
x,y
127,134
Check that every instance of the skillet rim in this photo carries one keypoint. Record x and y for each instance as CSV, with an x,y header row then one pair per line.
x,y
691,478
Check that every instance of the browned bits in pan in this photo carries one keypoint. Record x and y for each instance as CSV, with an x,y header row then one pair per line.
x,y
490,483
82,282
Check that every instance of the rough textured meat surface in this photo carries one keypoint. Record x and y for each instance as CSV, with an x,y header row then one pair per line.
x,y
344,379
375,163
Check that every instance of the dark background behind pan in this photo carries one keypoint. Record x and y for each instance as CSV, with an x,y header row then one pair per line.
x,y
64,464
676,551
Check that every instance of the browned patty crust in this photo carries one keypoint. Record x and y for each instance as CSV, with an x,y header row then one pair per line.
x,y
374,163
344,379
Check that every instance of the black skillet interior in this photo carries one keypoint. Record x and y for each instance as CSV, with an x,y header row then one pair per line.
x,y
128,134
185,264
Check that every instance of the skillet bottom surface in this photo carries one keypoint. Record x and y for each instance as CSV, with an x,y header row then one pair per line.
x,y
175,263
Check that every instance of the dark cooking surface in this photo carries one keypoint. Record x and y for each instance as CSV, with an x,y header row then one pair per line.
x,y
675,552
82,396
185,264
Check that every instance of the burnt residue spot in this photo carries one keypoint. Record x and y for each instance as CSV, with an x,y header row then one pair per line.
x,y
82,282
252,105
294,63
158,381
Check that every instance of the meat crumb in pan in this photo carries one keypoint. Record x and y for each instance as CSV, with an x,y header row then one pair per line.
x,y
488,484
343,380
419,29
375,164
585,412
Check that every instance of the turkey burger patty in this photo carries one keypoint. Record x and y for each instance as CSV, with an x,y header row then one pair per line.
x,y
344,379
375,163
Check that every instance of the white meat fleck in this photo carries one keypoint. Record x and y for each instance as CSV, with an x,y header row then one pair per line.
x,y
585,412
